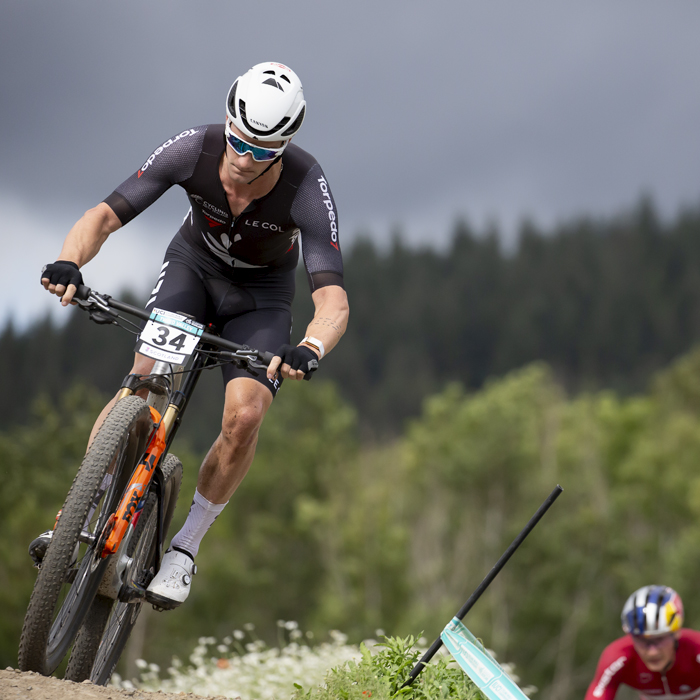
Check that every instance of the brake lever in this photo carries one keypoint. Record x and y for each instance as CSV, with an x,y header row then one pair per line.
x,y
256,364
96,306
103,317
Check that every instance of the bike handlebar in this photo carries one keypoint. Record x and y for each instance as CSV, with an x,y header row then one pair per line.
x,y
83,294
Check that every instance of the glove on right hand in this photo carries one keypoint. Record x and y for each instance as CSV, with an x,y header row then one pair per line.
x,y
63,272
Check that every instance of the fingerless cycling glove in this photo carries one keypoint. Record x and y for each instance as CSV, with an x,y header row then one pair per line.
x,y
298,357
63,272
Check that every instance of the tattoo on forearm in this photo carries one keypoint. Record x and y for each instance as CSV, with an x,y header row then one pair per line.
x,y
325,322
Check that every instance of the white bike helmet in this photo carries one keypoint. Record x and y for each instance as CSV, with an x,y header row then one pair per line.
x,y
652,610
267,103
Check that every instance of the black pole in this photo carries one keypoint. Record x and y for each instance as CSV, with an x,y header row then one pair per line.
x,y
487,581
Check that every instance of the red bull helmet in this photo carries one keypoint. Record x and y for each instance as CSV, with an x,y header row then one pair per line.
x,y
651,611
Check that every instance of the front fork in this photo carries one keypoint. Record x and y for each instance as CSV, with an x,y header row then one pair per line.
x,y
164,380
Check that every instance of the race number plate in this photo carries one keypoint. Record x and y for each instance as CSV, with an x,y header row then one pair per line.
x,y
169,337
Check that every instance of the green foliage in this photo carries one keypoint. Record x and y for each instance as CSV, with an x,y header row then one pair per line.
x,y
362,542
381,675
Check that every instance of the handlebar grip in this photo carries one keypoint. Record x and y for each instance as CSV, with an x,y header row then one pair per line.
x,y
266,357
82,293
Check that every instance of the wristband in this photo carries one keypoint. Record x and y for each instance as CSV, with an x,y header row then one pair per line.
x,y
316,344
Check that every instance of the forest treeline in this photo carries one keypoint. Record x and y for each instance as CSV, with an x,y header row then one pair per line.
x,y
492,375
335,534
605,302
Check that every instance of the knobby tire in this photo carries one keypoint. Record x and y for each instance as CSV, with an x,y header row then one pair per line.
x,y
107,626
55,613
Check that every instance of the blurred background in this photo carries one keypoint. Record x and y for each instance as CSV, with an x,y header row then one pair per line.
x,y
520,221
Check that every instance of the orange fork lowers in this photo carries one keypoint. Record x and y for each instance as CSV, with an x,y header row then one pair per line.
x,y
120,519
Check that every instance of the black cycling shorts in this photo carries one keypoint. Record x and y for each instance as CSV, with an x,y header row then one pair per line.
x,y
249,309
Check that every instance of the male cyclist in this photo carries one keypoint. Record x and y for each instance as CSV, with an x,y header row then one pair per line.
x,y
655,657
253,197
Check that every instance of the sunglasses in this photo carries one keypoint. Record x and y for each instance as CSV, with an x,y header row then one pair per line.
x,y
648,642
259,153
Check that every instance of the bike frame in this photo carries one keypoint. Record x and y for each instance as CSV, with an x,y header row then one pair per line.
x,y
103,309
120,520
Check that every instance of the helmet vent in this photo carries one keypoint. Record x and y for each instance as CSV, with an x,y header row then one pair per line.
x,y
284,77
295,125
274,83
232,100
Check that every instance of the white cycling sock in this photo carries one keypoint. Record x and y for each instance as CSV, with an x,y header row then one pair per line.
x,y
200,518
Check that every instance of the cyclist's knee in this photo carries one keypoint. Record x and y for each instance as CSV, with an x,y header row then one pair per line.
x,y
241,423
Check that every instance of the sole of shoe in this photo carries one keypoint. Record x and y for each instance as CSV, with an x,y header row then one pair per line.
x,y
160,602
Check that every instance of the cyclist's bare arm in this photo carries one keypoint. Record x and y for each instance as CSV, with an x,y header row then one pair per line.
x,y
328,325
83,242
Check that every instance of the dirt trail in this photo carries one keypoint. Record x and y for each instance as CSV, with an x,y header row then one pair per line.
x,y
15,685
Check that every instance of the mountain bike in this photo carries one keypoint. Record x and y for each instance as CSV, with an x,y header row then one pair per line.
x,y
107,542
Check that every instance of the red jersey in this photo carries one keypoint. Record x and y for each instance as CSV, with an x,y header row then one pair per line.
x,y
620,664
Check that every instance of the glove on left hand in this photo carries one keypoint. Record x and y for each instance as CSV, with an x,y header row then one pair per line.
x,y
298,357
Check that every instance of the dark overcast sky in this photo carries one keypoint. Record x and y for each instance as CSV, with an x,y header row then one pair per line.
x,y
419,112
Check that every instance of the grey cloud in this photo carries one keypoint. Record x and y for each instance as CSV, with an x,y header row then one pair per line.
x,y
417,111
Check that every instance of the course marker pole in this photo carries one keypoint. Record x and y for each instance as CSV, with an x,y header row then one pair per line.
x,y
487,581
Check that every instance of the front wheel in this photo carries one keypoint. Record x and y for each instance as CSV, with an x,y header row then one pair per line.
x,y
72,568
107,627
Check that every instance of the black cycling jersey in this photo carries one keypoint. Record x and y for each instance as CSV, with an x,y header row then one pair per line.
x,y
255,312
265,236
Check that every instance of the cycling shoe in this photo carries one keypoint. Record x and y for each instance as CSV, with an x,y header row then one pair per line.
x,y
171,585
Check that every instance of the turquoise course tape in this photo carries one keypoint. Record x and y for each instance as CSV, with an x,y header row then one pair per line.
x,y
478,664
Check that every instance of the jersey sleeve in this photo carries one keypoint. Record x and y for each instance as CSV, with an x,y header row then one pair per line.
x,y
171,163
315,214
608,675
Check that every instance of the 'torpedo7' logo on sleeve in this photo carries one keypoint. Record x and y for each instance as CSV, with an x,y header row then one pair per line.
x,y
160,149
323,184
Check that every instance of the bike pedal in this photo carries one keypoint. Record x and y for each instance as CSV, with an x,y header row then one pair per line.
x,y
159,603
38,547
131,591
